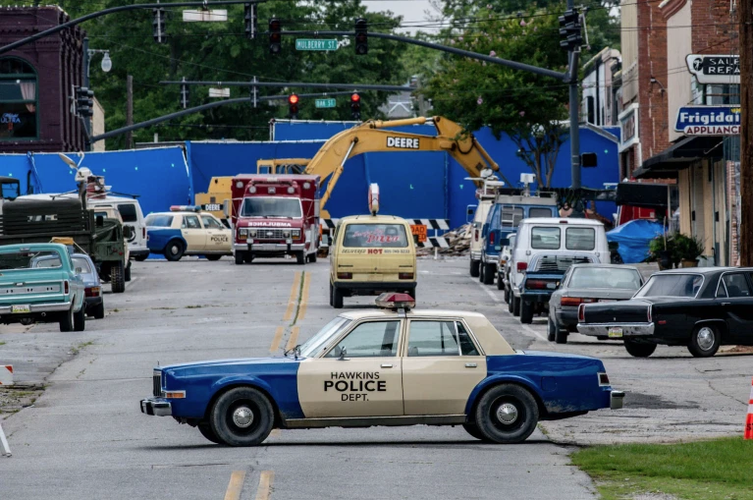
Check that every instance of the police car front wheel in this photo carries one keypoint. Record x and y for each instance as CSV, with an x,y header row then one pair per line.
x,y
242,416
506,413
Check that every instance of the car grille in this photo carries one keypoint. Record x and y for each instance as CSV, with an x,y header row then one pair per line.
x,y
157,384
561,264
269,233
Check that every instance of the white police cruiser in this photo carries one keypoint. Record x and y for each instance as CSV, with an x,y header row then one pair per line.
x,y
186,230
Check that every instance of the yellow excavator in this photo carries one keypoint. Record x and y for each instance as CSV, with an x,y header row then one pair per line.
x,y
369,137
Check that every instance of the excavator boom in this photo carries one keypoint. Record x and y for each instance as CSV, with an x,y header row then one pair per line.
x,y
373,136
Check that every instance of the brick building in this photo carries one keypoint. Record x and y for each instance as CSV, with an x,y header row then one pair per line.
x,y
37,80
656,82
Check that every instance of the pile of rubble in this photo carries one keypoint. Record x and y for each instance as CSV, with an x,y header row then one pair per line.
x,y
459,241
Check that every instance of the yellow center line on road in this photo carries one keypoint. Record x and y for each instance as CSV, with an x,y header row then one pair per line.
x,y
293,338
276,340
304,297
293,299
236,485
265,483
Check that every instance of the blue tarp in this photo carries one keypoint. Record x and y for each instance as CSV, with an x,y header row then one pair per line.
x,y
634,238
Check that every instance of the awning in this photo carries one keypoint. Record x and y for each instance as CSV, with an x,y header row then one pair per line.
x,y
679,156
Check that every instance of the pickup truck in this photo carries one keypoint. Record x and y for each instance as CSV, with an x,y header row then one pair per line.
x,y
38,283
541,279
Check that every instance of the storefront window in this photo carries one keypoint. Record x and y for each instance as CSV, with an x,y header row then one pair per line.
x,y
18,100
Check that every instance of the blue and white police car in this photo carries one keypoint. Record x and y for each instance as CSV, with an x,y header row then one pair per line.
x,y
186,230
389,366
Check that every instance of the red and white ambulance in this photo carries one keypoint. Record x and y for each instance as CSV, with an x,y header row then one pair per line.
x,y
274,216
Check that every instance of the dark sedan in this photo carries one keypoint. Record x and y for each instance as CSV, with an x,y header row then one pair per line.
x,y
701,308
586,284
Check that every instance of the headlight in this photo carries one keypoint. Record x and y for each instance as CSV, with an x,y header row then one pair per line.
x,y
296,233
243,231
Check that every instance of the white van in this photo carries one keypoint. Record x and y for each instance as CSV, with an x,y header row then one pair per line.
x,y
553,236
477,241
130,212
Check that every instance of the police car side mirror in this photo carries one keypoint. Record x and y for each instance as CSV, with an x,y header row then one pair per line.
x,y
343,352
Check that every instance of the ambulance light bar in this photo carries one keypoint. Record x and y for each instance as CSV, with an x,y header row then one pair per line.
x,y
185,208
395,301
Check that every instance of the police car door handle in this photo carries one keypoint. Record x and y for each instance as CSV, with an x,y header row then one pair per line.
x,y
471,365
386,365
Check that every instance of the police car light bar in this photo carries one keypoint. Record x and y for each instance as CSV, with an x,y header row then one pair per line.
x,y
395,301
185,208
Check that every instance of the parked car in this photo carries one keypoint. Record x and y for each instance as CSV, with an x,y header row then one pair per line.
x,y
186,230
38,283
391,366
503,219
504,256
541,279
95,302
701,308
586,284
555,237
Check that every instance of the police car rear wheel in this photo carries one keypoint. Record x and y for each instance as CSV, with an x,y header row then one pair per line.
x,y
207,432
174,251
242,416
507,413
474,432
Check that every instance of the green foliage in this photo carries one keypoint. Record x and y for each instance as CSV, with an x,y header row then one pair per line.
x,y
221,52
678,246
697,470
525,106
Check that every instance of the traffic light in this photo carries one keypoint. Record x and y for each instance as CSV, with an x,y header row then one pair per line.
x,y
362,39
250,18
275,36
158,25
355,106
293,106
84,102
184,94
570,30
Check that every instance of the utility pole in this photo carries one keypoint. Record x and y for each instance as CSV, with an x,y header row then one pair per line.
x,y
573,56
745,231
85,79
129,110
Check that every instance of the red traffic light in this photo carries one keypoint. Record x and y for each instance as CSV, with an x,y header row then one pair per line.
x,y
355,98
293,99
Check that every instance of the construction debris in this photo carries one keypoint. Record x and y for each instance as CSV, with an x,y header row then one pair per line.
x,y
458,242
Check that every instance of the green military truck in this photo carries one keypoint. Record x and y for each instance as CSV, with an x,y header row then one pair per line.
x,y
41,220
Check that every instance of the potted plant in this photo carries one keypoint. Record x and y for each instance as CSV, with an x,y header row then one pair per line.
x,y
661,250
687,250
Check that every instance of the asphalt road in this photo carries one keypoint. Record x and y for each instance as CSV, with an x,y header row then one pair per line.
x,y
85,437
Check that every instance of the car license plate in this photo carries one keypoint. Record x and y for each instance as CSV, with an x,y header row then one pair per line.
x,y
615,333
20,309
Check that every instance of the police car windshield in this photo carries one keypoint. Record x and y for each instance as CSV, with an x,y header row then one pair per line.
x,y
154,220
315,344
271,207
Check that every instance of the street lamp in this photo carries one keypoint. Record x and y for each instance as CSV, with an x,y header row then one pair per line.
x,y
106,61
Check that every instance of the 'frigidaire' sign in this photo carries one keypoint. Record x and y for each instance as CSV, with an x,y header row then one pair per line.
x,y
708,120
714,68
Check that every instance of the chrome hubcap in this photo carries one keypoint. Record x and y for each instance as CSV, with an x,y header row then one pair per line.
x,y
243,417
507,413
705,338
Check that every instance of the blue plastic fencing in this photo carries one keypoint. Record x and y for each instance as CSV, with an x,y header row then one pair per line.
x,y
159,176
433,185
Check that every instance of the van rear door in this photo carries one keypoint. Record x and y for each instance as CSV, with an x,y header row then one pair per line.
x,y
377,251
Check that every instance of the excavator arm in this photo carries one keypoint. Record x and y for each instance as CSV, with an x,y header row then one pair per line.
x,y
373,136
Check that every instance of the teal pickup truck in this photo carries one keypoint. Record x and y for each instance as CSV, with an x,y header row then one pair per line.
x,y
38,283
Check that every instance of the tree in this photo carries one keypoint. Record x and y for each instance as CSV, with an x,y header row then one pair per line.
x,y
527,107
221,52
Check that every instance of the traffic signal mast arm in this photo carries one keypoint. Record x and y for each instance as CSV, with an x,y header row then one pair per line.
x,y
372,136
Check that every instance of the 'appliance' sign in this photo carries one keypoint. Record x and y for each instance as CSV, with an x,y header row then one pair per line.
x,y
714,68
708,120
